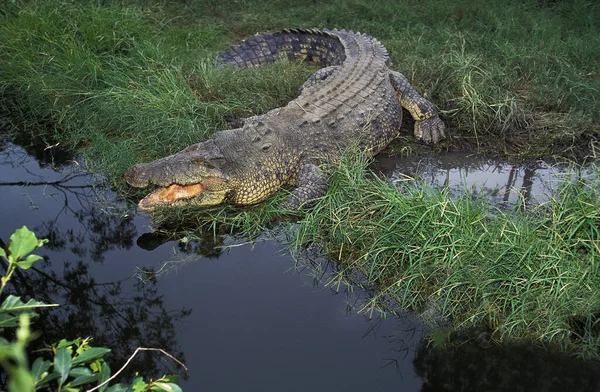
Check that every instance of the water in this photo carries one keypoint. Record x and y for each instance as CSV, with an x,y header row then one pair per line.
x,y
501,182
241,317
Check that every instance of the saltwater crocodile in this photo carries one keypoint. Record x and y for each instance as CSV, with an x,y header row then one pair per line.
x,y
355,100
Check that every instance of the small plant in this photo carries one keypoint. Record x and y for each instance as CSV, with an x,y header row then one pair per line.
x,y
75,363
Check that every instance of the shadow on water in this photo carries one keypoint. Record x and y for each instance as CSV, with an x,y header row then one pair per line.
x,y
254,324
469,367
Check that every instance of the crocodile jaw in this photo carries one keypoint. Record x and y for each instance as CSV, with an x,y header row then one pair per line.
x,y
210,192
181,180
195,175
170,195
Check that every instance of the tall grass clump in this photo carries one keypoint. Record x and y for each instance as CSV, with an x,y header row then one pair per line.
x,y
525,274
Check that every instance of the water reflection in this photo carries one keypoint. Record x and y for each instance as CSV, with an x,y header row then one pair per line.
x,y
468,367
505,183
466,362
117,310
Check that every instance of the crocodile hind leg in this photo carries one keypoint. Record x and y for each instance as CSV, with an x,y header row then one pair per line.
x,y
310,185
428,125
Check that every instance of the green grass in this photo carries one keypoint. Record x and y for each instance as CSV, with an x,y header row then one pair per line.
x,y
523,275
112,83
124,82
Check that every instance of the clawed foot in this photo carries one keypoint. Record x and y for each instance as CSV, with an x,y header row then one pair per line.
x,y
430,130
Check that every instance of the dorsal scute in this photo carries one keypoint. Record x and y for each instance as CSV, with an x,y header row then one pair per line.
x,y
312,31
349,38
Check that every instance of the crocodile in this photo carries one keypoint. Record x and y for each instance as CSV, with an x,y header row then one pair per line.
x,y
354,100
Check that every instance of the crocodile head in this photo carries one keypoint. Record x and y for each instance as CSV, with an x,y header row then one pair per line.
x,y
192,176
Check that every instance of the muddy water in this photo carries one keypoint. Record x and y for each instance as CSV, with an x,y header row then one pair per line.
x,y
240,316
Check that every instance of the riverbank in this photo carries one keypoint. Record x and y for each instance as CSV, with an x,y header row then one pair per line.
x,y
528,271
129,83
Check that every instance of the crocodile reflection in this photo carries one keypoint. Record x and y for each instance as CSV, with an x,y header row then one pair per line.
x,y
467,366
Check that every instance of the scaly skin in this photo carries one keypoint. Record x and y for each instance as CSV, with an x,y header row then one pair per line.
x,y
355,100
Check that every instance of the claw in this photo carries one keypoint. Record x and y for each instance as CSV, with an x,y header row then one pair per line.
x,y
430,130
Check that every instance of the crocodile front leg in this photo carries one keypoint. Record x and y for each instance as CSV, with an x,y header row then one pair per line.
x,y
310,185
428,125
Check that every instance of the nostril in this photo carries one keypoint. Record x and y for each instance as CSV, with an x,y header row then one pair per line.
x,y
134,176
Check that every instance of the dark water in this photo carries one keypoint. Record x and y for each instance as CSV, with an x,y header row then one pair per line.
x,y
241,317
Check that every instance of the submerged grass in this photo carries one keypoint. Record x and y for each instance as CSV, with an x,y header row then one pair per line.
x,y
130,81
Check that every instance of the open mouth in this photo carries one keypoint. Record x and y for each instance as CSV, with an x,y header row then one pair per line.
x,y
170,195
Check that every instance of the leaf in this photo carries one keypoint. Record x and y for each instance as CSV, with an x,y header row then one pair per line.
x,y
22,242
164,386
62,364
80,371
104,375
10,302
39,367
90,354
66,343
96,366
20,379
82,346
138,385
13,304
46,380
28,262
6,350
172,378
82,380
118,388
3,253
8,320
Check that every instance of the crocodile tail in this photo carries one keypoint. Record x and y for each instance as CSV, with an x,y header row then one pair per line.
x,y
311,45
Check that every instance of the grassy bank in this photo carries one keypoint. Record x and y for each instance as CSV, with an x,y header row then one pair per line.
x,y
124,82
528,274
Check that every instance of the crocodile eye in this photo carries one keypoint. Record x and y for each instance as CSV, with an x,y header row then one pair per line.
x,y
203,163
193,147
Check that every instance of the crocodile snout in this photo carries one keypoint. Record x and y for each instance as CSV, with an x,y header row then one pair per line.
x,y
136,176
